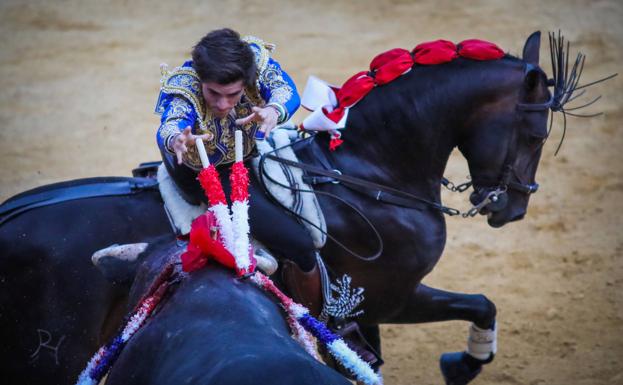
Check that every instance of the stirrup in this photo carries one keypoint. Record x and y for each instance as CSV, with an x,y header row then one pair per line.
x,y
352,336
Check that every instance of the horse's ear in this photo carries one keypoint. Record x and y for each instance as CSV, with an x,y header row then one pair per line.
x,y
531,48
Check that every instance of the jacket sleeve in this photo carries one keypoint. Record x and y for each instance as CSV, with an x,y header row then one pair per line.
x,y
178,114
278,90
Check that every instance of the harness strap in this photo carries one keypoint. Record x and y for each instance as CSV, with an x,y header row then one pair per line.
x,y
376,191
16,207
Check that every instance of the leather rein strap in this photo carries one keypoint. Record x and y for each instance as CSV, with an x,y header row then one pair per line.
x,y
264,175
376,191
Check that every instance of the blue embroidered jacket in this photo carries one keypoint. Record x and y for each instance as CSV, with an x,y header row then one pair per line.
x,y
181,104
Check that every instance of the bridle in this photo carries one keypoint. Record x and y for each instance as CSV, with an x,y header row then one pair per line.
x,y
565,81
496,192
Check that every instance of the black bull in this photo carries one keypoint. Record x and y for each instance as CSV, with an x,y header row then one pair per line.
x,y
401,135
213,328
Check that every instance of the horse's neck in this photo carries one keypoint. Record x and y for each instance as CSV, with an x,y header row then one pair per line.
x,y
390,140
403,132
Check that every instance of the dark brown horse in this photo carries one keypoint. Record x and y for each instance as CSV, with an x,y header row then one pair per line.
x,y
396,145
400,136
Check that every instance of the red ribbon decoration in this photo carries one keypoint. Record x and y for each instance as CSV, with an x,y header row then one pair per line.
x,y
479,50
334,143
202,247
389,65
435,52
350,93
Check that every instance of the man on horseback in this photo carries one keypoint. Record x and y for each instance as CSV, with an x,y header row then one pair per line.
x,y
233,83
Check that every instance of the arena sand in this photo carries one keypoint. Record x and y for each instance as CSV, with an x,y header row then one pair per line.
x,y
78,83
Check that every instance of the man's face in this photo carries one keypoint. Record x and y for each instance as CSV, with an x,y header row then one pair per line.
x,y
221,98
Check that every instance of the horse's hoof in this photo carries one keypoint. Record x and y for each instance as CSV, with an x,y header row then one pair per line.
x,y
456,369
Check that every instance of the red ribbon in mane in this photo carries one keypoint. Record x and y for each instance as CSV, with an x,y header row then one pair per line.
x,y
390,64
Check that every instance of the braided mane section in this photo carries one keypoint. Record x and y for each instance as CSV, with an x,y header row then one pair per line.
x,y
330,114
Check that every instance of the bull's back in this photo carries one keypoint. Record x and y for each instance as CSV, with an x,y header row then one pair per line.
x,y
216,329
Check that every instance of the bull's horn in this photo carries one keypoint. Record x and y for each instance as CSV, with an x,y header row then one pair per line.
x,y
128,252
118,263
265,262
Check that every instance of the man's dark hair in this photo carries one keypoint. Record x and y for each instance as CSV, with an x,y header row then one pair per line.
x,y
222,57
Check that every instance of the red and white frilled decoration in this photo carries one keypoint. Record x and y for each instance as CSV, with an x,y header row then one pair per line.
x,y
204,246
330,104
234,248
239,179
211,184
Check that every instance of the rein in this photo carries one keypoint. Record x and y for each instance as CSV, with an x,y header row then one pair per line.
x,y
378,192
263,174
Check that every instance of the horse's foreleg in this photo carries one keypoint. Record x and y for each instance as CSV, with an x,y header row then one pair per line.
x,y
434,305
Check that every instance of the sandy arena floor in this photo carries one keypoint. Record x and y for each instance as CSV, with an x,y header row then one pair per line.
x,y
78,82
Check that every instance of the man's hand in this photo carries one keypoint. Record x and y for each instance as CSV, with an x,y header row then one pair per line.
x,y
268,117
183,140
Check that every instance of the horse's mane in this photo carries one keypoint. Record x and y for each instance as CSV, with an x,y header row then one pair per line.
x,y
457,84
424,97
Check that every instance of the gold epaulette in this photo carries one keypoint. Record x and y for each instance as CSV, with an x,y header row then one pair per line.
x,y
185,82
262,53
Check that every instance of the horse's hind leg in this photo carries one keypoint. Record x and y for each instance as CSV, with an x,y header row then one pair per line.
x,y
434,305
